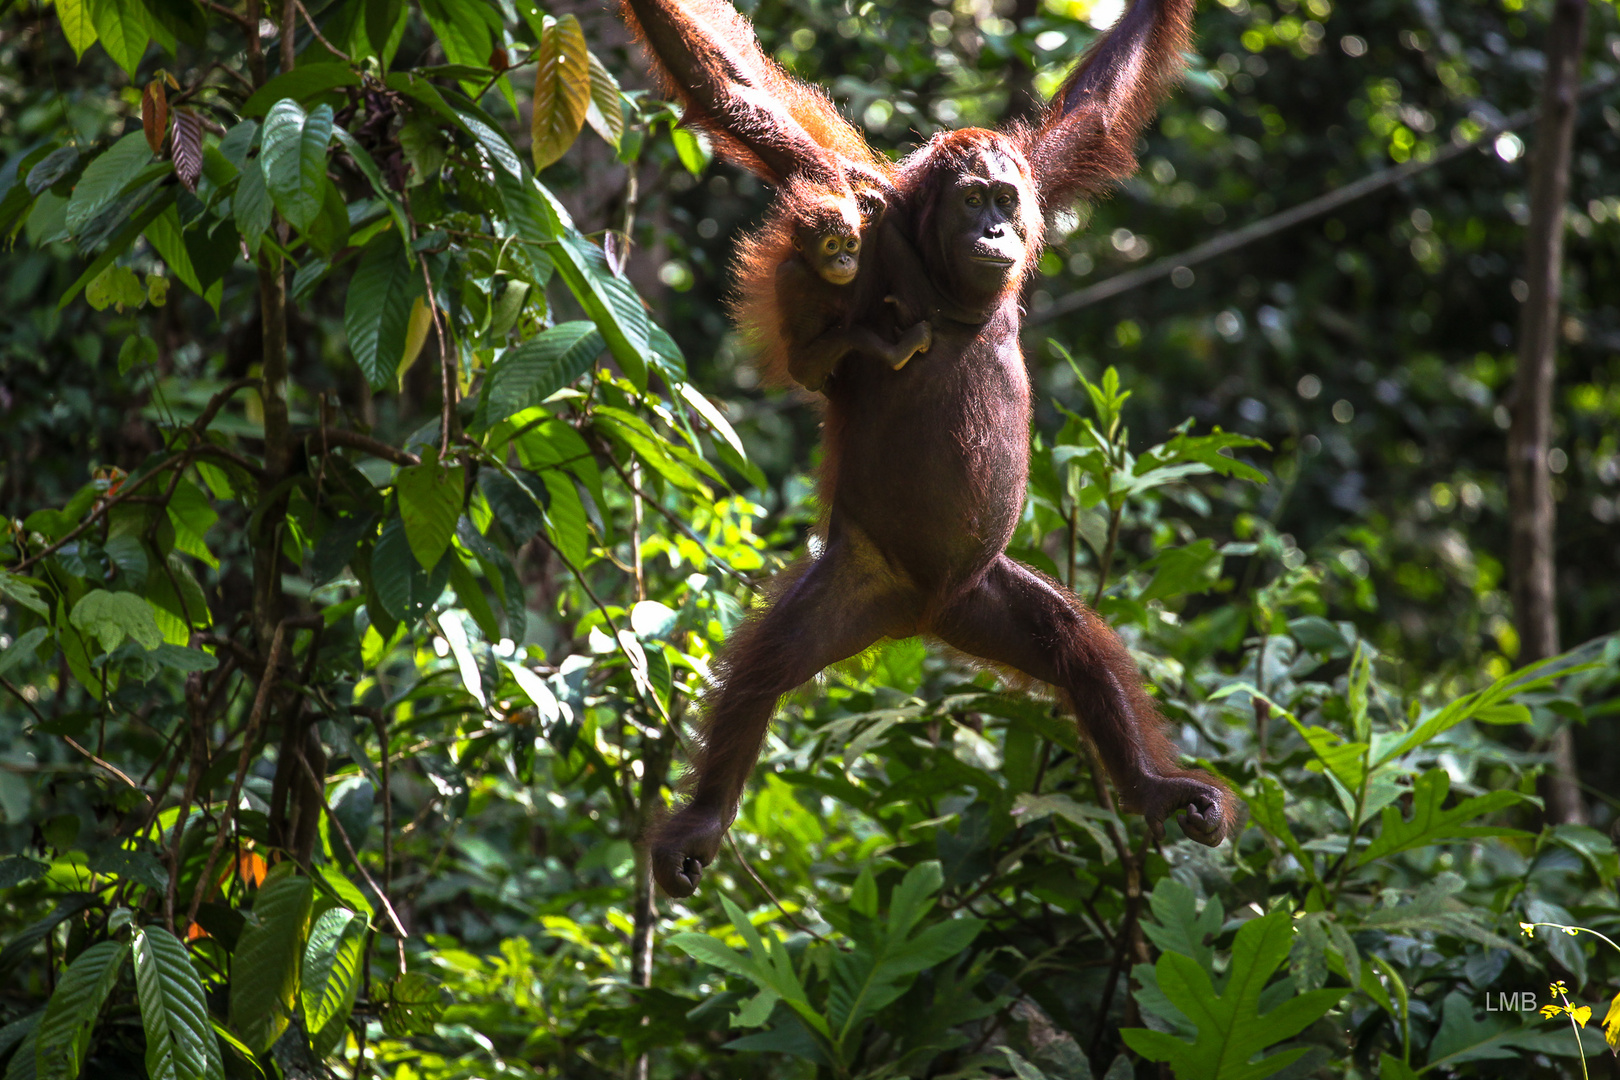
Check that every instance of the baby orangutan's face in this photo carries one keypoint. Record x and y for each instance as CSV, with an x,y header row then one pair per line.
x,y
832,253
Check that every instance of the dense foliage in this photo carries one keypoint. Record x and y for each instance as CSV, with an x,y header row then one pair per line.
x,y
364,541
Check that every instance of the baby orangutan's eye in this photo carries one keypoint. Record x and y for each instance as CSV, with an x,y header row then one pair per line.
x,y
830,244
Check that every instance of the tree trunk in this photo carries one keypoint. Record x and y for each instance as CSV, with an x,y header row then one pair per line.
x,y
1530,496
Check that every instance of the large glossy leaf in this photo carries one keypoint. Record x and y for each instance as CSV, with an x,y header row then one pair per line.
x,y
265,967
293,153
378,308
531,372
331,976
63,1035
610,301
430,496
180,1043
105,177
300,84
562,89
251,206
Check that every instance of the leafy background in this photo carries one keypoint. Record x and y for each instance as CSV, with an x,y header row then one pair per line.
x,y
366,540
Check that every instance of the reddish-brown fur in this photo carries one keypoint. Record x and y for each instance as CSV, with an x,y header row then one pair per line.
x,y
930,462
753,305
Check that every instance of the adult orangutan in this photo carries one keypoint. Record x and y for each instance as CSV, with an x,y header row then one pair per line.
x,y
932,459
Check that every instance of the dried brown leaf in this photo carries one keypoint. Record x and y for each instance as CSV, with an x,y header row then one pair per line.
x,y
155,114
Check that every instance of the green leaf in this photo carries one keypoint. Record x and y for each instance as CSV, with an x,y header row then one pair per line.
x,y
566,524
378,308
405,590
379,186
1179,926
124,31
331,977
300,84
134,866
20,870
22,649
76,25
606,114
1267,810
413,1005
1464,1036
381,18
497,567
166,237
292,151
531,372
192,515
24,1060
1430,824
21,590
1231,1029
875,973
180,1044
265,966
430,496
105,178
110,617
651,448
1524,680
610,301
562,89
63,1036
1183,571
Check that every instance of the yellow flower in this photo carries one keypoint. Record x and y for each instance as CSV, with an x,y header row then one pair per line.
x,y
1559,988
1611,1025
1582,1014
1550,1011
1527,929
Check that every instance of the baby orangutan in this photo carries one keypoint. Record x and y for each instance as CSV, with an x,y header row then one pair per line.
x,y
817,288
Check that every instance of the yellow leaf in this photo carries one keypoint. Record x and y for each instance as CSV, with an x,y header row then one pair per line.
x,y
562,89
1611,1025
1581,1014
416,332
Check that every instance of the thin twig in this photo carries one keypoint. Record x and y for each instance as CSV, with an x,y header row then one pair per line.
x,y
235,16
320,37
320,792
374,447
766,889
39,717
102,506
447,367
255,718
681,525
